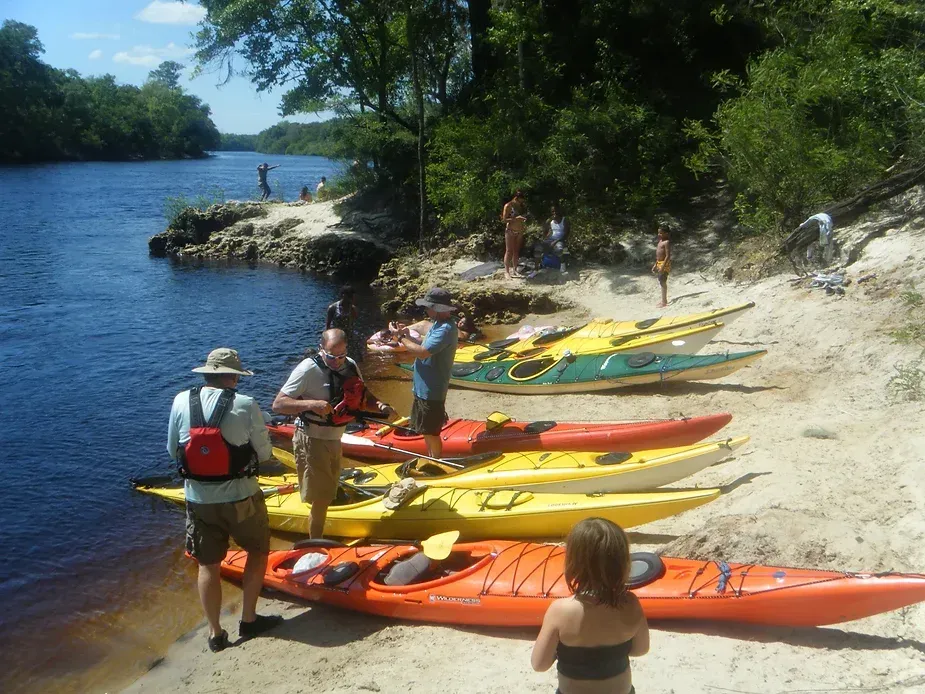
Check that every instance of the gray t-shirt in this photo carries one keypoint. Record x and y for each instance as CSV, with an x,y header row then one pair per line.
x,y
309,382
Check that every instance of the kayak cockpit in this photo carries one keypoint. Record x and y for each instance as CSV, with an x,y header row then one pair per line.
x,y
413,571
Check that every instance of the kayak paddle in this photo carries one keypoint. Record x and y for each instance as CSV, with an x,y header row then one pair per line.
x,y
438,547
360,441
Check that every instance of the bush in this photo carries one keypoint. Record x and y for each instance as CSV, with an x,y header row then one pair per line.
x,y
823,114
175,205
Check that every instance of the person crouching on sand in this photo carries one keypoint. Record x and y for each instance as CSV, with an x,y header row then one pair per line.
x,y
593,633
662,265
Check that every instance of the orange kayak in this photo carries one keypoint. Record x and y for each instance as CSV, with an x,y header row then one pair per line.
x,y
465,437
506,583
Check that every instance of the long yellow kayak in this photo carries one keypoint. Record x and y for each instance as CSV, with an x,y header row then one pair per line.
x,y
549,472
685,341
605,335
476,513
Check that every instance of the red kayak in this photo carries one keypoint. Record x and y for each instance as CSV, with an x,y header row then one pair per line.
x,y
505,583
464,437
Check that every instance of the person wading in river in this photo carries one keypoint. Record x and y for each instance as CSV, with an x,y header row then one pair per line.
x,y
432,366
222,494
326,391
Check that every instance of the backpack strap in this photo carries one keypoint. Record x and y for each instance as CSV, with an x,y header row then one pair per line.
x,y
221,407
195,409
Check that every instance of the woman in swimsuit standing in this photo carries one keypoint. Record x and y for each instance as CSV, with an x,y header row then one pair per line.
x,y
593,633
514,216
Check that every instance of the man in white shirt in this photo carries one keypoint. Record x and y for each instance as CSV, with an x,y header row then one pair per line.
x,y
323,390
319,190
223,497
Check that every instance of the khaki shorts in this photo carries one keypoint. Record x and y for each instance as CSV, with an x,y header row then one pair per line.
x,y
208,527
318,465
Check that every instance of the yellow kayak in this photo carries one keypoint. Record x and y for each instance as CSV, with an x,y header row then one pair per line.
x,y
597,336
549,472
688,340
476,513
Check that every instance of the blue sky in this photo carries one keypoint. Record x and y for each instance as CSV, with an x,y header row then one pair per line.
x,y
128,38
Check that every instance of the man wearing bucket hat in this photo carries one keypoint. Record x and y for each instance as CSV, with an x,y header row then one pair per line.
x,y
432,365
218,437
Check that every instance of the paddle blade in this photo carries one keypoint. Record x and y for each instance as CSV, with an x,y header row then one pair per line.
x,y
284,457
352,440
496,420
438,547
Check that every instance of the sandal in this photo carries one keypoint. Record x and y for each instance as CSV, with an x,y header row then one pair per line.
x,y
218,643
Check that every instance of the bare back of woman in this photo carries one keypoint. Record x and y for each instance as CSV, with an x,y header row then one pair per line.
x,y
593,634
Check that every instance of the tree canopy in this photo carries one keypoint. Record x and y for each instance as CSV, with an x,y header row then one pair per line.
x,y
48,114
607,107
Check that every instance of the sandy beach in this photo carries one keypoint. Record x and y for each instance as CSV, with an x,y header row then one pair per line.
x,y
833,478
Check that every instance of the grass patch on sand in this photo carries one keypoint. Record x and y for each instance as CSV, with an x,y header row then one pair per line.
x,y
908,383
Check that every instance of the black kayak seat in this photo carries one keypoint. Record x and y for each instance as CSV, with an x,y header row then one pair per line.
x,y
463,370
529,369
539,427
492,354
339,572
549,338
501,344
647,323
407,571
613,458
494,373
645,567
637,361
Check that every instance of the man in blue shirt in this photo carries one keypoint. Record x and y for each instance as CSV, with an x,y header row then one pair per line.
x,y
432,365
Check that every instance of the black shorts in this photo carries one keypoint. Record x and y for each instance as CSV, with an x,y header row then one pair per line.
x,y
428,416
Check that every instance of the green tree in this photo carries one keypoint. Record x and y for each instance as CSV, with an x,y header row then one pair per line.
x,y
49,114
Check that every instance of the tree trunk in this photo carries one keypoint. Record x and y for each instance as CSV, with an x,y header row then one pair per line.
x,y
848,210
419,102
479,23
521,73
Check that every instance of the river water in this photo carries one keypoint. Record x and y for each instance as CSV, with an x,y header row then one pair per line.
x,y
95,340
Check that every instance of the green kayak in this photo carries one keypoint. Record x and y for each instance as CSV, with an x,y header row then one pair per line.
x,y
586,373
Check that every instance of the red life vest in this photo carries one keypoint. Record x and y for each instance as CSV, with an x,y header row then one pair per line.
x,y
347,396
208,457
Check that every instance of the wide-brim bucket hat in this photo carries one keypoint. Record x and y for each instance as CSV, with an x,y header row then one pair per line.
x,y
223,361
438,299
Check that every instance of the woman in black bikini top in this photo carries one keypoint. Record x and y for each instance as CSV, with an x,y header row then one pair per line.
x,y
593,634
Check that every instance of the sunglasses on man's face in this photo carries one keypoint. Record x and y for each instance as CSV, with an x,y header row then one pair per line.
x,y
328,355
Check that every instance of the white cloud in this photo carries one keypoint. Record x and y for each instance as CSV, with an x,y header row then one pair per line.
x,y
81,36
148,56
96,55
171,13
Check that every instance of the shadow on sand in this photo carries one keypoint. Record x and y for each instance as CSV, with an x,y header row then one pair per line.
x,y
694,388
804,637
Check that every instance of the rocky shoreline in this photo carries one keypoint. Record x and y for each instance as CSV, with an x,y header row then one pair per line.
x,y
308,237
343,238
335,239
